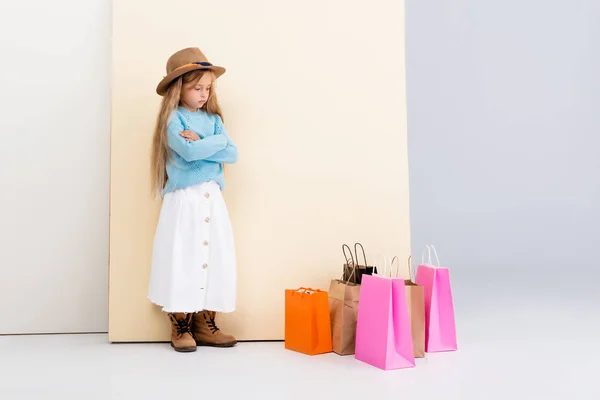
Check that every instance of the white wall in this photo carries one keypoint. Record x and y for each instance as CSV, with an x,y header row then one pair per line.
x,y
54,165
504,127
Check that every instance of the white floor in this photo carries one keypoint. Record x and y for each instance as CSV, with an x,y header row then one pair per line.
x,y
517,341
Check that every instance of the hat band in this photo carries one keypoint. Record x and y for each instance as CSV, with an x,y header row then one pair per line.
x,y
203,63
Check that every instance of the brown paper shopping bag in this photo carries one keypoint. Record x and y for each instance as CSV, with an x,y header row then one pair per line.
x,y
343,310
415,296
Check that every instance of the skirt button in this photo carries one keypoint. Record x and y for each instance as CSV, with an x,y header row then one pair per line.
x,y
207,219
205,243
207,195
204,266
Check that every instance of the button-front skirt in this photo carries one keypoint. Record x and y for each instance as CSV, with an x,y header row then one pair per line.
x,y
193,260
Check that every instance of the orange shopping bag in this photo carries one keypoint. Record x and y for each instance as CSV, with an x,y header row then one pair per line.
x,y
307,321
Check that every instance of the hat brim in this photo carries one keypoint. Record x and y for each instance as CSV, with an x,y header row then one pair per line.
x,y
162,87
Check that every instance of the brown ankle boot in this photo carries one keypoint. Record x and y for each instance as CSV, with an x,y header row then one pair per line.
x,y
206,333
181,333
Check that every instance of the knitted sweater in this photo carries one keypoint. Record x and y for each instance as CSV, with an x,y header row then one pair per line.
x,y
200,161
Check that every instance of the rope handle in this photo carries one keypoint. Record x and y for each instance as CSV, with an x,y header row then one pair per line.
x,y
356,253
350,262
430,247
387,263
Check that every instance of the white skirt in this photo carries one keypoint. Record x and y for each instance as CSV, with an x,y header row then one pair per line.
x,y
193,260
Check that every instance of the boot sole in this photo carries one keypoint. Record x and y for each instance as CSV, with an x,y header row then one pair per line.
x,y
183,349
206,344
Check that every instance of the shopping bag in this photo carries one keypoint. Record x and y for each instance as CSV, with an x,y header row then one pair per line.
x,y
383,333
440,325
415,296
352,260
343,312
307,322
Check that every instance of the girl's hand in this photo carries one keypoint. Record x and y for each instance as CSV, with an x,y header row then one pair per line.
x,y
189,135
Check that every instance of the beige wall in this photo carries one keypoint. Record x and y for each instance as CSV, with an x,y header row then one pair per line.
x,y
314,97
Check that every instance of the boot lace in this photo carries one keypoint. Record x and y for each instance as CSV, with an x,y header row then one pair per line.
x,y
211,323
182,326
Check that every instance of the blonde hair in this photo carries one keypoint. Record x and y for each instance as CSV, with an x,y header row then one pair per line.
x,y
171,100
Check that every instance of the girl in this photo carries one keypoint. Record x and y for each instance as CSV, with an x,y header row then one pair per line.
x,y
193,262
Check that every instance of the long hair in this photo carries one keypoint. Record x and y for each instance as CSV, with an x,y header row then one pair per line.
x,y
171,100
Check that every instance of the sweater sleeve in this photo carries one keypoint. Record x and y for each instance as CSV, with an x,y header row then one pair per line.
x,y
229,155
193,151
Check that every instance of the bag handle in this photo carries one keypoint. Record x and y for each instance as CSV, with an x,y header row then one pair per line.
x,y
350,260
411,271
356,253
395,258
409,266
430,247
303,290
387,263
353,273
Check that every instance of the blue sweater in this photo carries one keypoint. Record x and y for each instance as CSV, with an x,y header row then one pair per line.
x,y
192,163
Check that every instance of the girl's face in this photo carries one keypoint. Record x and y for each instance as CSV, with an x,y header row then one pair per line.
x,y
195,95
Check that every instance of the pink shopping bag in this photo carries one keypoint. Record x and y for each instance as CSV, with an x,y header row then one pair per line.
x,y
440,325
383,332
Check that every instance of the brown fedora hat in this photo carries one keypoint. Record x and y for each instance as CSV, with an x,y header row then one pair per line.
x,y
184,61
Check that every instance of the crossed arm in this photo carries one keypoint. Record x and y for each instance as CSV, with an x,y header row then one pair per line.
x,y
216,148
